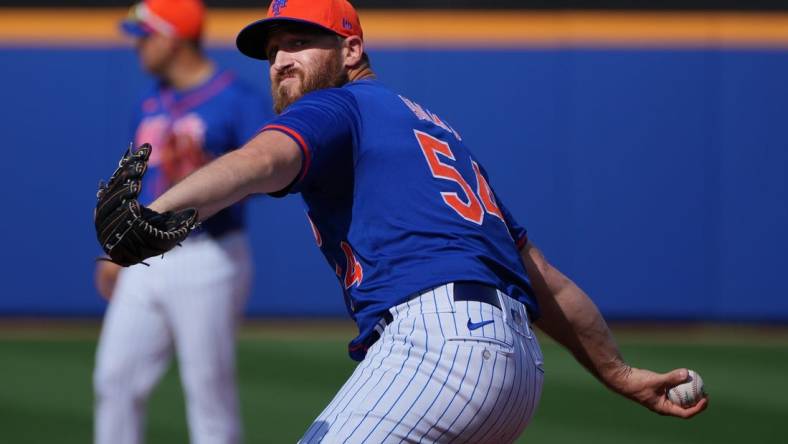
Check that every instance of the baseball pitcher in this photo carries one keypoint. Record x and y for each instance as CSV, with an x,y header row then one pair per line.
x,y
440,278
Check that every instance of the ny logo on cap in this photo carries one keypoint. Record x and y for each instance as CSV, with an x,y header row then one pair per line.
x,y
277,6
346,24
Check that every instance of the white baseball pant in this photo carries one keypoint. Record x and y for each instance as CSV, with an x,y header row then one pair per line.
x,y
188,302
440,373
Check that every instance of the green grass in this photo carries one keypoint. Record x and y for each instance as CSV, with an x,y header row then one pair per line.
x,y
45,390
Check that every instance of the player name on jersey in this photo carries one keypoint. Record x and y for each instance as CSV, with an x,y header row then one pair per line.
x,y
423,114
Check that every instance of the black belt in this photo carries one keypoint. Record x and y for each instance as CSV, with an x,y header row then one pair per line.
x,y
470,291
474,291
463,291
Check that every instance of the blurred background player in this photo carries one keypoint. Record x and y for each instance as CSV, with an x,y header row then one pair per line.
x,y
188,302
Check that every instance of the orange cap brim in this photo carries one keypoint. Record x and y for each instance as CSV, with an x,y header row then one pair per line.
x,y
251,41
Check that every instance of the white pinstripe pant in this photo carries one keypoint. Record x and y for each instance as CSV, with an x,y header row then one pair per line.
x,y
189,303
430,379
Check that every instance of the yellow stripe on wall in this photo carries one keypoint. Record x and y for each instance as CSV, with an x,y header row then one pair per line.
x,y
424,29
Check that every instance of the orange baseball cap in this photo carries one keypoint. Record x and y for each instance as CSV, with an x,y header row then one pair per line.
x,y
337,16
174,18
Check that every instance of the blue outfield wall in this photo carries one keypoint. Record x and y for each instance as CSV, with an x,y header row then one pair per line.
x,y
655,178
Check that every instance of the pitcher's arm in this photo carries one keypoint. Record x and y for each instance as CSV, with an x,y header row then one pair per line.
x,y
570,317
267,163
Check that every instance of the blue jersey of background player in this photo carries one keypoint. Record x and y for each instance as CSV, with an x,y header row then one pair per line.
x,y
190,128
380,217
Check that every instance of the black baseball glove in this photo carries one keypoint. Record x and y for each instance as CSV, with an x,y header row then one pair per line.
x,y
128,232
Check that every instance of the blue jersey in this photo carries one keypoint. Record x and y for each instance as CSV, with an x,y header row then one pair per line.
x,y
397,202
189,128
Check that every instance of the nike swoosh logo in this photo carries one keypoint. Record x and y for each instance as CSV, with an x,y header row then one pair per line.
x,y
475,325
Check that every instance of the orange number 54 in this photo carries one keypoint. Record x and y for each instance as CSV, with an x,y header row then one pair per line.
x,y
469,207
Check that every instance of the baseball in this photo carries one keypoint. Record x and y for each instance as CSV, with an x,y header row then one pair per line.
x,y
688,393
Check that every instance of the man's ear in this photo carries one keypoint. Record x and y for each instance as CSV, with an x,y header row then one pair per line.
x,y
352,51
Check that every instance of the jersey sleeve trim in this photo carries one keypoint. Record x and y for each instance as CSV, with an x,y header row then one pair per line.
x,y
522,241
306,153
